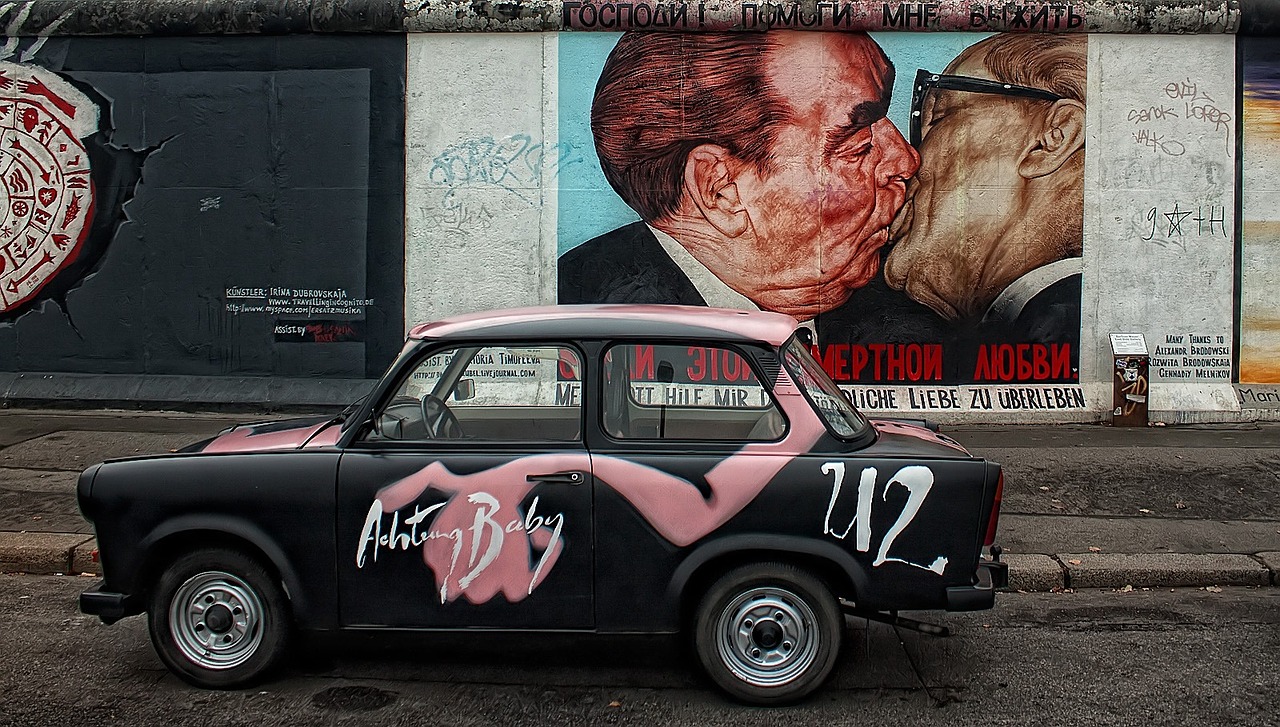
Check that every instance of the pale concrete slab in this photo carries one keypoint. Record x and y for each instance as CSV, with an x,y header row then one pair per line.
x,y
42,553
1034,572
1169,481
73,450
1116,570
1272,562
13,479
82,558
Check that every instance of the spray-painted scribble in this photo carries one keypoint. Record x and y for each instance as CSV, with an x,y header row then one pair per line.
x,y
514,163
1157,142
456,213
1197,105
1183,105
1174,226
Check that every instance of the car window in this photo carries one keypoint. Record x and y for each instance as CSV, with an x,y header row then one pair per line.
x,y
486,393
835,409
707,393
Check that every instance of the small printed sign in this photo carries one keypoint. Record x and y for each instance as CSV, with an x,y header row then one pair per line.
x,y
1128,344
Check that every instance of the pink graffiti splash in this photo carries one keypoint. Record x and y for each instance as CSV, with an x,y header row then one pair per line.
x,y
919,432
481,543
677,509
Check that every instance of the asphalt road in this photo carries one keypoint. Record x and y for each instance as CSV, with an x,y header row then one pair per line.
x,y
1187,657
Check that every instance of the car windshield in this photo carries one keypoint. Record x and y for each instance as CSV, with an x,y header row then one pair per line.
x,y
840,415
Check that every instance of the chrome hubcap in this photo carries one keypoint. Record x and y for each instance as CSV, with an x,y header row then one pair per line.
x,y
767,637
216,620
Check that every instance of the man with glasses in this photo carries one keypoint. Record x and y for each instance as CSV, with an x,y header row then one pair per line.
x,y
991,232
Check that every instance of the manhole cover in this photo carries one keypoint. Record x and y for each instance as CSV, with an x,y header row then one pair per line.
x,y
353,699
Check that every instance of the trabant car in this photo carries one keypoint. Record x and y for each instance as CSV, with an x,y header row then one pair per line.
x,y
608,469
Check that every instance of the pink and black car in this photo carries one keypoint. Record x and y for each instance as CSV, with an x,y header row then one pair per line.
x,y
609,469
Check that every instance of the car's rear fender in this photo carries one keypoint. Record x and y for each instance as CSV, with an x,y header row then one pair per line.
x,y
838,568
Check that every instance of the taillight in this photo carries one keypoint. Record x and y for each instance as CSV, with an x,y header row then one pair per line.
x,y
995,512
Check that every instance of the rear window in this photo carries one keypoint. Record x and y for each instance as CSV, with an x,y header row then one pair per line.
x,y
841,417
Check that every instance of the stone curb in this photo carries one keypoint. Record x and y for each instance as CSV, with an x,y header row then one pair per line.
x,y
1117,570
1034,572
42,553
1272,562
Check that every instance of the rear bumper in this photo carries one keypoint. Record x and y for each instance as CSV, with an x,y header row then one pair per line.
x,y
991,576
108,606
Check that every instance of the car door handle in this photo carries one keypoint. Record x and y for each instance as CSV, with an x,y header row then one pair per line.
x,y
562,478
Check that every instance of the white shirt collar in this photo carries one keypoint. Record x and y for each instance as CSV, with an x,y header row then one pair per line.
x,y
1009,304
714,291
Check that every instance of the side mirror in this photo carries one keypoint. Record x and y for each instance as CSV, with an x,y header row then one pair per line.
x,y
388,426
464,389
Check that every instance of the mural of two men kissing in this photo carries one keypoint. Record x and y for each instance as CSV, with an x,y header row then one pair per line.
x,y
928,222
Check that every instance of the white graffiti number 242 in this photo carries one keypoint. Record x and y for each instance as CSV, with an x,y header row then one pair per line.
x,y
917,480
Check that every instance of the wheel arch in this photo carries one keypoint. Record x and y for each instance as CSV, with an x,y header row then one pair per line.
x,y
830,563
177,537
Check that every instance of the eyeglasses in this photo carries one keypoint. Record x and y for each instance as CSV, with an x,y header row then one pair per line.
x,y
926,80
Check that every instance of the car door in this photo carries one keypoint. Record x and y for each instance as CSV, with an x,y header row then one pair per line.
x,y
466,500
687,441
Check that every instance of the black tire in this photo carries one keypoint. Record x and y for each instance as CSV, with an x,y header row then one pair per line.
x,y
754,655
227,598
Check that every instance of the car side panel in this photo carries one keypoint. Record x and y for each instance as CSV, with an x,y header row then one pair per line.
x,y
281,503
917,540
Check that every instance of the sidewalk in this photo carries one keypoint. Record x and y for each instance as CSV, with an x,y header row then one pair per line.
x,y
1084,505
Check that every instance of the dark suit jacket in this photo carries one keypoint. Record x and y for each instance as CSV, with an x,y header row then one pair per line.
x,y
626,265
1052,315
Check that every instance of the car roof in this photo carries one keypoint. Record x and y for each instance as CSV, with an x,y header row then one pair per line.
x,y
610,321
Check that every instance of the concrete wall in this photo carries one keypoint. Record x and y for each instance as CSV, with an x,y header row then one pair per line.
x,y
1157,222
244,216
279,208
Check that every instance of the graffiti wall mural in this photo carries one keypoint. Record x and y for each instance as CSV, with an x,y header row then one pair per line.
x,y
47,185
202,206
1260,234
920,200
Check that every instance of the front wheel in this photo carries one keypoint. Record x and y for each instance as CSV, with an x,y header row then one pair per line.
x,y
768,633
218,619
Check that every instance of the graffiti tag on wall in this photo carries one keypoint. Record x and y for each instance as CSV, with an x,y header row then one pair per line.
x,y
514,163
1181,105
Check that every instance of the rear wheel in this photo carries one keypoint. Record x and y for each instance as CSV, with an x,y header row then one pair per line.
x,y
768,633
218,619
